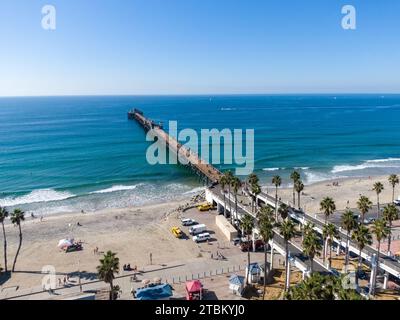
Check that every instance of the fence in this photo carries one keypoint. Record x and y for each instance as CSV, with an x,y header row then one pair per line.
x,y
206,274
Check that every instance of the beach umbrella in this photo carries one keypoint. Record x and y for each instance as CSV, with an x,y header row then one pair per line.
x,y
64,243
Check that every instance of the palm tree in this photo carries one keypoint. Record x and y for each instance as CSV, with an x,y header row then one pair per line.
x,y
330,232
248,226
109,265
229,179
362,236
295,176
322,287
276,181
299,187
265,212
16,218
306,229
393,180
311,247
390,214
223,181
364,205
252,178
381,231
236,184
266,225
378,188
287,231
255,190
283,211
349,223
3,216
328,207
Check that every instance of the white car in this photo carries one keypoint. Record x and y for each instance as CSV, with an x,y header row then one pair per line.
x,y
397,202
202,237
188,222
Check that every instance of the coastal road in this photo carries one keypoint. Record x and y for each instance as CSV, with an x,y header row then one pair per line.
x,y
318,220
294,250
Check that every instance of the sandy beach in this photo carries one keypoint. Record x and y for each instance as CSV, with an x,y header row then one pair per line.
x,y
135,232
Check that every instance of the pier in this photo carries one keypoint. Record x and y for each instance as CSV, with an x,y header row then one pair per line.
x,y
215,194
209,173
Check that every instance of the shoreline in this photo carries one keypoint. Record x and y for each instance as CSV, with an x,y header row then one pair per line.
x,y
179,198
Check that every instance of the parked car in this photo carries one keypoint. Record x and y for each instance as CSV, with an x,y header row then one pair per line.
x,y
202,237
188,222
197,229
259,245
177,232
369,220
205,207
397,202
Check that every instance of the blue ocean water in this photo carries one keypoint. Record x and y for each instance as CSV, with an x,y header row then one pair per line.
x,y
64,154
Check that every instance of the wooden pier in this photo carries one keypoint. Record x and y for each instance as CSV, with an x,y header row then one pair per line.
x,y
209,173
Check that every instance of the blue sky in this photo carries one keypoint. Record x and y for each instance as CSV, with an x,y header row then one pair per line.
x,y
198,47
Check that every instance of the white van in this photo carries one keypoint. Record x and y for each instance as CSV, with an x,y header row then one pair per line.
x,y
202,237
197,229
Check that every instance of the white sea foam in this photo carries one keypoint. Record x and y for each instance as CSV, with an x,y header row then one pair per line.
x,y
115,188
228,109
302,168
312,177
369,164
273,169
43,195
195,190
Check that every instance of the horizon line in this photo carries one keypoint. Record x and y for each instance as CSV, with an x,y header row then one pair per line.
x,y
200,94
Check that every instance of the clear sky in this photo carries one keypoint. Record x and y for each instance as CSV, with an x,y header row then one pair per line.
x,y
198,47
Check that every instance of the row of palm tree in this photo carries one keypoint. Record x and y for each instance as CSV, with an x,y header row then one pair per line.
x,y
234,184
311,242
16,217
298,187
266,223
378,188
362,236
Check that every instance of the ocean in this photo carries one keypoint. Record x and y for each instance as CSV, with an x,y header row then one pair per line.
x,y
67,154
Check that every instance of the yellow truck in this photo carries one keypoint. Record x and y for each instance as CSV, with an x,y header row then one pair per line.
x,y
205,207
177,232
